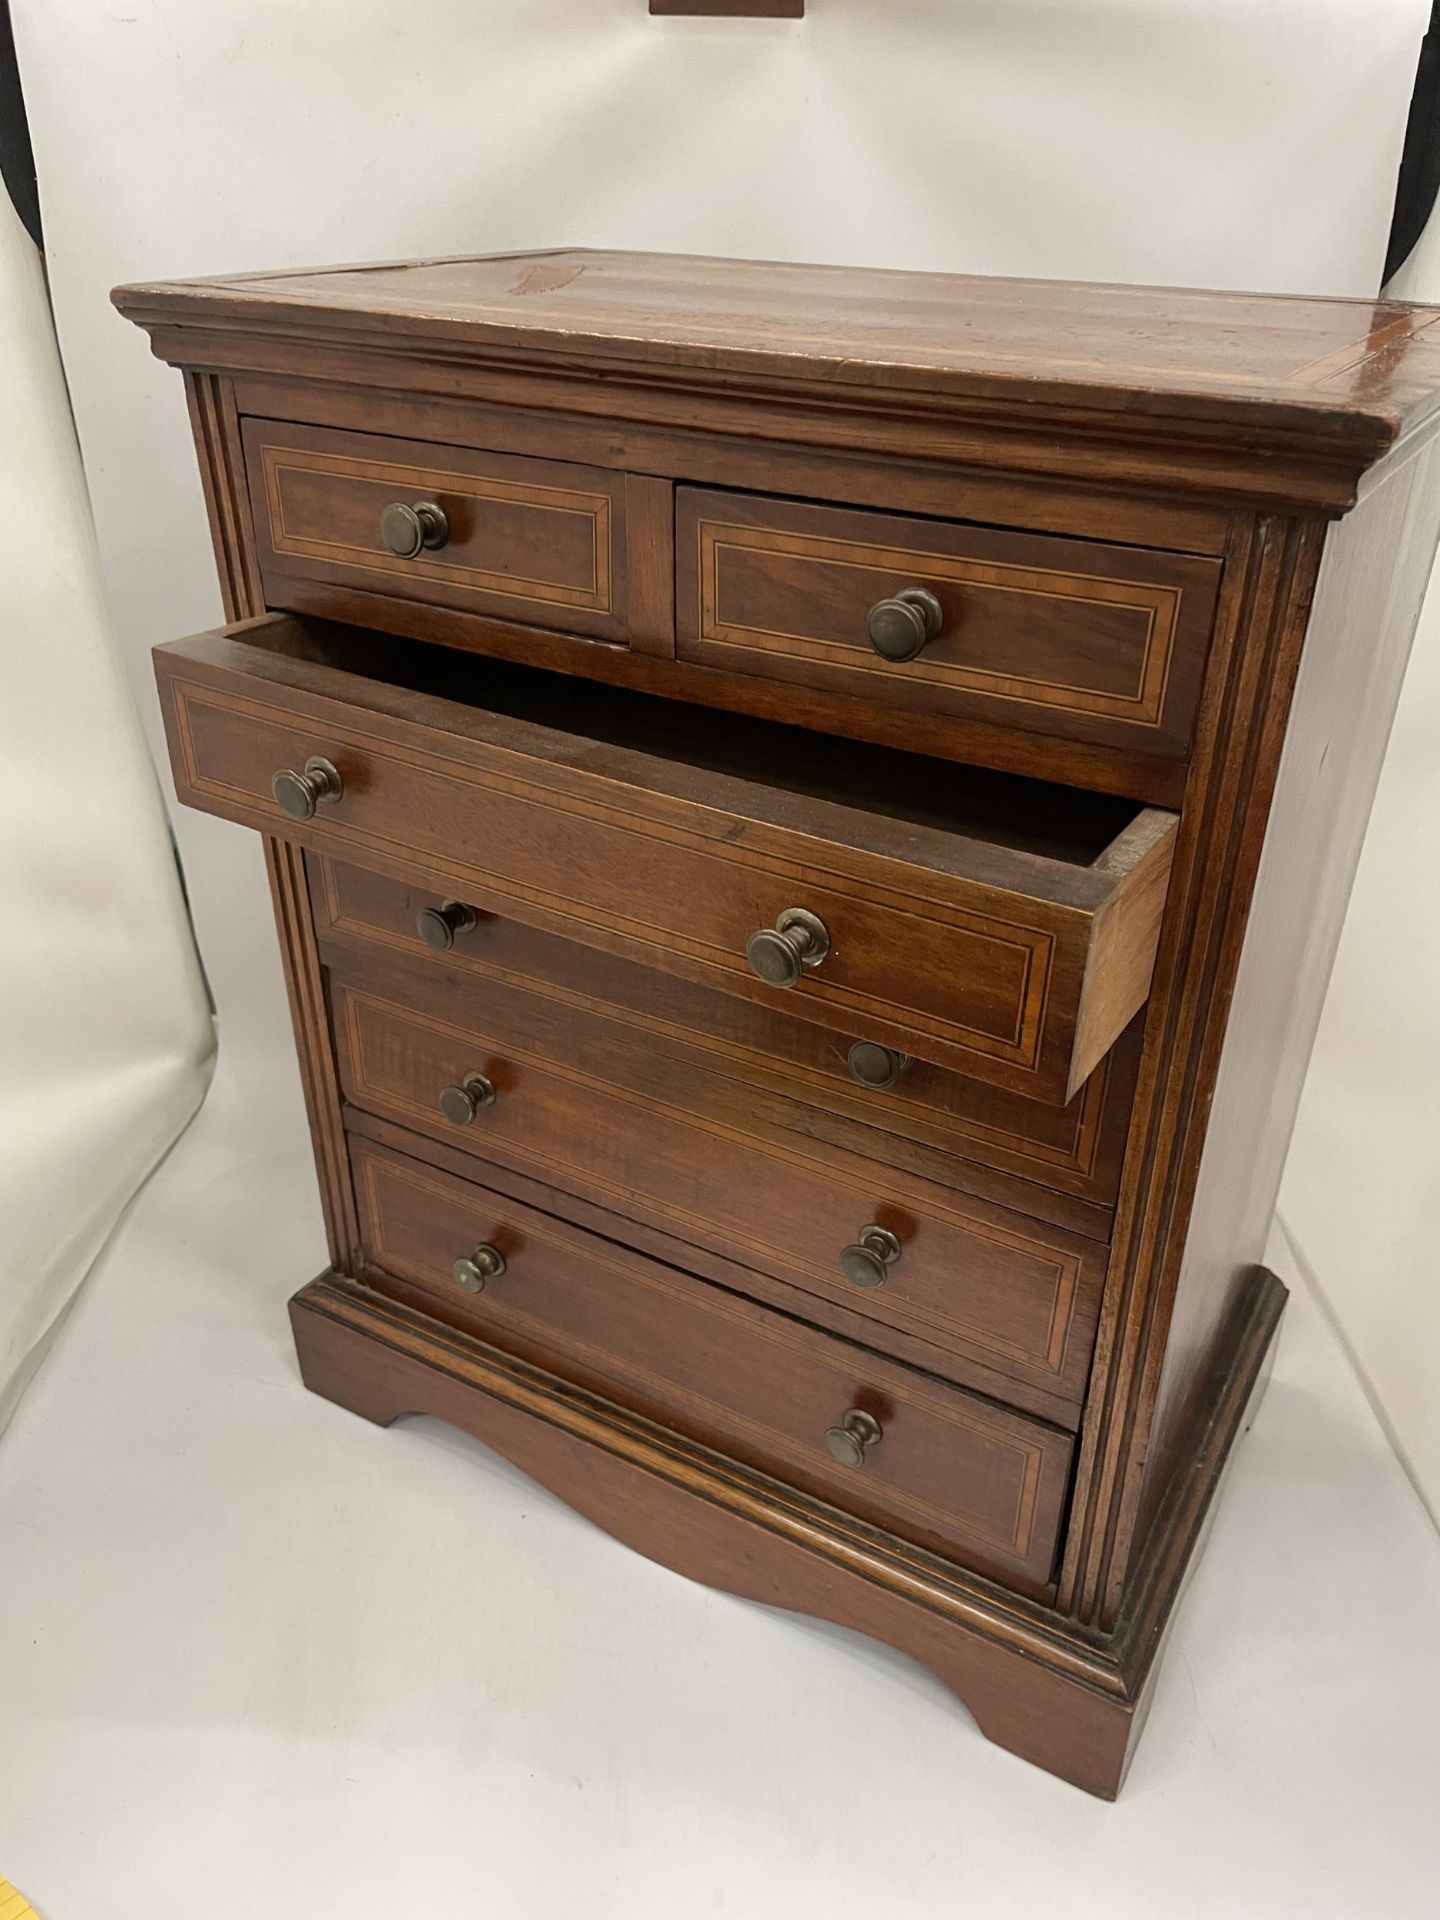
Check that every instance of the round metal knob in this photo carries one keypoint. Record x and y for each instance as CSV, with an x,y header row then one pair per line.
x,y
485,1263
868,1260
408,530
856,1434
875,1066
778,955
438,926
299,794
904,625
461,1104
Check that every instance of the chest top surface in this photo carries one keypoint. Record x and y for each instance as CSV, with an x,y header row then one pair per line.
x,y
1354,371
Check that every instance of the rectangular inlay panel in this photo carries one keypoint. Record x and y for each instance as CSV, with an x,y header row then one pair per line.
x,y
539,541
1071,637
967,1479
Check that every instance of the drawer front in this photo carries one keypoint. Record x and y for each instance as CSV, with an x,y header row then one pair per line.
x,y
1066,1155
981,1294
543,542
1017,968
976,1483
1066,637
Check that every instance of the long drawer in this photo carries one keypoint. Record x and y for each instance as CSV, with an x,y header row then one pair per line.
x,y
974,1482
934,1119
994,925
972,1291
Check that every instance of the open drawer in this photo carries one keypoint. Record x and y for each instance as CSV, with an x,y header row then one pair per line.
x,y
1001,926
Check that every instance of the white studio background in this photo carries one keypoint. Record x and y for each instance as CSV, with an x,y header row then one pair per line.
x,y
1240,143
106,1040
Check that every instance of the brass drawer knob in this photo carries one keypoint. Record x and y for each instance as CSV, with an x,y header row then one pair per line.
x,y
408,530
868,1260
856,1434
778,955
438,926
904,625
461,1104
875,1066
485,1263
300,793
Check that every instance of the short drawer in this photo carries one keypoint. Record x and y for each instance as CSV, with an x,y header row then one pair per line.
x,y
1067,1157
974,1482
1073,638
543,542
1000,926
978,1293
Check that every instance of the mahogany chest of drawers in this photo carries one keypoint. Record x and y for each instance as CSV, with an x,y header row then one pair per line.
x,y
808,814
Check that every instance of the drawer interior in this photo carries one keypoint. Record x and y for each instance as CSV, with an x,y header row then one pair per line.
x,y
1055,823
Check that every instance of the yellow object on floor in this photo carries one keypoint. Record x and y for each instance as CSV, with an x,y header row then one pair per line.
x,y
13,1905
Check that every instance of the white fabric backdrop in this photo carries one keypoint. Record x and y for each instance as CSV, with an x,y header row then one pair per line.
x,y
1247,143
105,1032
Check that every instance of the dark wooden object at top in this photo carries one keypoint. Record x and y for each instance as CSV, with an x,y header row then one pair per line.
x,y
1177,458
734,9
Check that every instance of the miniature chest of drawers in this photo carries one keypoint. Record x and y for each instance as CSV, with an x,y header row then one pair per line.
x,y
808,814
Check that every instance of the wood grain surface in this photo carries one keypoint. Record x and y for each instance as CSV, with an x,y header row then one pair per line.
x,y
533,540
962,916
1058,1163
1122,497
1347,375
951,1472
1072,639
988,1297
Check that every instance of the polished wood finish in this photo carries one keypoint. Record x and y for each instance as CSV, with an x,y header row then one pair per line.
x,y
951,1472
544,541
644,454
1271,401
657,1104
1374,573
1072,1705
733,9
1058,1163
985,1296
963,910
1066,638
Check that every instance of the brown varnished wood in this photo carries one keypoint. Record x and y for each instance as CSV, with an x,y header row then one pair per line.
x,y
1374,572
965,420
546,1188
951,1472
1073,1706
535,540
215,421
864,478
946,736
1121,452
961,920
1071,640
1067,1157
1329,383
1270,581
733,9
983,1295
